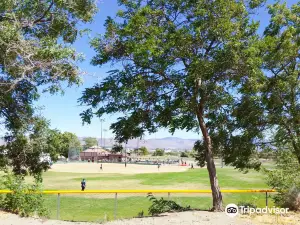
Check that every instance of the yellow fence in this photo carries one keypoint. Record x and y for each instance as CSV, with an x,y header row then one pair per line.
x,y
141,191
116,192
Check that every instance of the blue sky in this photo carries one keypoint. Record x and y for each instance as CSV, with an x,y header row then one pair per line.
x,y
63,110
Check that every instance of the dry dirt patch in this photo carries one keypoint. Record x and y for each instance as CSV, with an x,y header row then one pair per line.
x,y
183,218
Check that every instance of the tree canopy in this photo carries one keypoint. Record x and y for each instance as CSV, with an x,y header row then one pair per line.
x,y
272,102
89,142
69,141
184,154
23,151
36,55
181,64
117,148
143,150
158,152
35,38
65,142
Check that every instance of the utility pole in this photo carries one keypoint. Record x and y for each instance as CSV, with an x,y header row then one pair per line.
x,y
101,121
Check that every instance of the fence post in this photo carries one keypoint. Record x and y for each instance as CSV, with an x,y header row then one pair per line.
x,y
169,195
116,205
58,206
267,199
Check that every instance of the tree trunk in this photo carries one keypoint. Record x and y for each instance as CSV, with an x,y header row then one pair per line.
x,y
216,192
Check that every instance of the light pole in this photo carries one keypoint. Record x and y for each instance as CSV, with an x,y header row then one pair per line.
x,y
125,155
137,146
101,121
104,130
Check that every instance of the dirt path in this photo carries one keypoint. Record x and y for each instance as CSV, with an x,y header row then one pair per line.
x,y
10,219
183,218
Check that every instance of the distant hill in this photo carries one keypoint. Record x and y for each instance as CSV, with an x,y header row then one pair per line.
x,y
172,143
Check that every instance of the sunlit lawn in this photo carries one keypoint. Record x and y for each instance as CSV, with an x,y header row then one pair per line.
x,y
100,207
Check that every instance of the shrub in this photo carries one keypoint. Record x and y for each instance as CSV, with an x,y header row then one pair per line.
x,y
172,153
23,201
289,198
158,152
247,204
285,178
184,154
161,206
141,214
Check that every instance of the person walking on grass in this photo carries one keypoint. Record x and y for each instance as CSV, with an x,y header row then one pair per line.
x,y
83,184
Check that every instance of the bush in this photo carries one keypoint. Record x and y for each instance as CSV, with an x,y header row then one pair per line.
x,y
285,178
158,152
172,153
247,204
161,206
141,214
184,154
289,199
24,201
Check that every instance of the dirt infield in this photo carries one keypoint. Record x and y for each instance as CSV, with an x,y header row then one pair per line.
x,y
115,168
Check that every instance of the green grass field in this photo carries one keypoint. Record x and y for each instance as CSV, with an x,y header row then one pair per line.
x,y
197,178
100,207
97,209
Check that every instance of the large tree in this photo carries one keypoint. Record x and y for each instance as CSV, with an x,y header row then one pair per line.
x,y
117,148
180,63
89,142
35,56
143,150
272,102
281,90
23,151
69,141
158,152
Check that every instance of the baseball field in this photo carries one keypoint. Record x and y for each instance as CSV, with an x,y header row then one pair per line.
x,y
101,207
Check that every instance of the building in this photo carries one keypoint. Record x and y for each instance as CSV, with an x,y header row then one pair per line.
x,y
96,153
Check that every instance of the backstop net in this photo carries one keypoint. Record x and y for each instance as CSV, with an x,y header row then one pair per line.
x,y
74,154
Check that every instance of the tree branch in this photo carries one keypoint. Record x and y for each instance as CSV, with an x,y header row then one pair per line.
x,y
209,47
45,13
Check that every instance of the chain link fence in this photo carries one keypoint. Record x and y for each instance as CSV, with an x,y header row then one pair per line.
x,y
103,207
74,154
